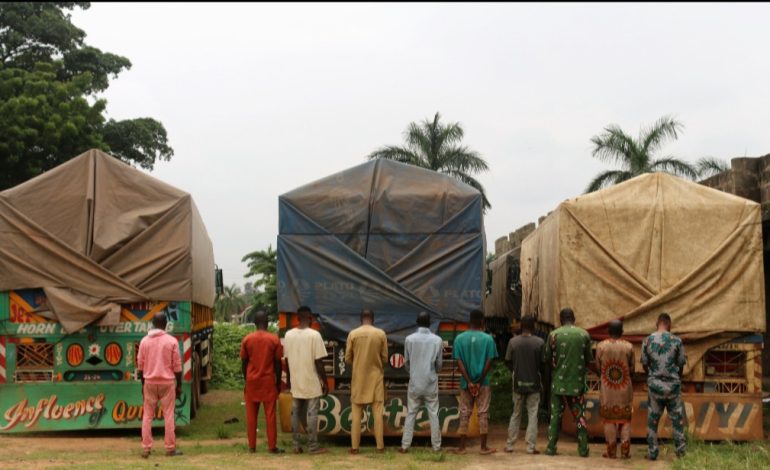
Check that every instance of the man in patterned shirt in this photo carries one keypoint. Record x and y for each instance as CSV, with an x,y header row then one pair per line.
x,y
615,363
568,351
663,359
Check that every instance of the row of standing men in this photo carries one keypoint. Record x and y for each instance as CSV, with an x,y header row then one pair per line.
x,y
567,351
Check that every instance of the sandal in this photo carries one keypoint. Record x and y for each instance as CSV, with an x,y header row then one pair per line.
x,y
488,451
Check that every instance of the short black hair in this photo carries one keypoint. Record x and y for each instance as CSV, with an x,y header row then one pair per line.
x,y
367,312
528,323
476,317
423,319
664,317
615,328
304,309
567,315
159,320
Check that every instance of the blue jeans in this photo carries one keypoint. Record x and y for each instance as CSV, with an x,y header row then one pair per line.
x,y
414,403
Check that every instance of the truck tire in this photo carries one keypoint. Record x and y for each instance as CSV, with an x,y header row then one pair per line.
x,y
195,389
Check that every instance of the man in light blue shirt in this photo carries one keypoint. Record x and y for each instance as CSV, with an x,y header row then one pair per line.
x,y
423,356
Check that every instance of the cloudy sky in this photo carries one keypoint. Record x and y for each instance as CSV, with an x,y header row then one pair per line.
x,y
260,99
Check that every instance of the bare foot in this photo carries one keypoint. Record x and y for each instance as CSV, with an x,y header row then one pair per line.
x,y
487,451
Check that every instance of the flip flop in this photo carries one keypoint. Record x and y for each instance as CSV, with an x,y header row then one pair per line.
x,y
487,451
460,451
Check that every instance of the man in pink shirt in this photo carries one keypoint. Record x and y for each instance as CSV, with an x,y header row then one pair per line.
x,y
159,367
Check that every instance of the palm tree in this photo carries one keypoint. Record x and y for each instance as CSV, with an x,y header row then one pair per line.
x,y
436,146
263,265
636,156
710,166
229,303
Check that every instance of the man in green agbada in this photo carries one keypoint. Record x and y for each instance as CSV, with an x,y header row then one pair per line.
x,y
568,351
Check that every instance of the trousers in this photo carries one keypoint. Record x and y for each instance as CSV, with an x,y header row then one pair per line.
x,y
252,413
304,412
166,395
356,416
414,403
657,404
532,402
577,406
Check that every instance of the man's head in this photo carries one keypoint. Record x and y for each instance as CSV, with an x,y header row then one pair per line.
x,y
367,317
476,319
567,316
305,316
159,320
260,320
615,328
528,324
664,321
423,319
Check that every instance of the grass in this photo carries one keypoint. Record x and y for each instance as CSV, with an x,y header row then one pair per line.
x,y
725,455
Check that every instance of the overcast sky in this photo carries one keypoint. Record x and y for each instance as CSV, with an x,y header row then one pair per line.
x,y
259,99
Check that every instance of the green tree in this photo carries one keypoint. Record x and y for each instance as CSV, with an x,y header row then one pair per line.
x,y
229,303
50,110
637,156
263,267
436,146
710,166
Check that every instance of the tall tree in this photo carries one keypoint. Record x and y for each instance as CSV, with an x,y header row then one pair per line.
x,y
229,303
637,156
263,266
710,166
437,146
50,109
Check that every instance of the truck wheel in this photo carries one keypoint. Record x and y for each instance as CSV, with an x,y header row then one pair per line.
x,y
195,389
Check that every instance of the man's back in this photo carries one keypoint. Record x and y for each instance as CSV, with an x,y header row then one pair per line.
x,y
159,358
367,351
261,349
663,355
302,347
568,350
423,353
526,356
474,348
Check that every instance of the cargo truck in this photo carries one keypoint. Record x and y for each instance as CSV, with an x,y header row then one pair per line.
x,y
656,244
90,251
394,238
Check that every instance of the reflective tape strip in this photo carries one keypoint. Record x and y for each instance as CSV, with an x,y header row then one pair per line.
x,y
187,360
2,360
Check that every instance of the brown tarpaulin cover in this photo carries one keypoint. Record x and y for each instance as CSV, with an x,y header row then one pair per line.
x,y
94,232
652,244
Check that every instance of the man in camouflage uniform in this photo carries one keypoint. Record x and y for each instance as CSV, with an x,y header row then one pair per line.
x,y
568,351
663,359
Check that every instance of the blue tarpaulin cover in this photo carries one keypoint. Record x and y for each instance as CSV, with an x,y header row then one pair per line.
x,y
388,236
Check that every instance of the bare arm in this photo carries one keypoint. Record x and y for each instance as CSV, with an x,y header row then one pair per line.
x,y
464,373
487,366
321,371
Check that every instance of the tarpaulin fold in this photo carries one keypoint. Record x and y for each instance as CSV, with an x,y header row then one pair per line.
x,y
94,232
653,244
383,235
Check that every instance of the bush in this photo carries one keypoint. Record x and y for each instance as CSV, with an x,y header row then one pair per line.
x,y
227,354
500,382
226,359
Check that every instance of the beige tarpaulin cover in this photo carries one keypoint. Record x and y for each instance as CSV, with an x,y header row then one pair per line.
x,y
94,232
652,244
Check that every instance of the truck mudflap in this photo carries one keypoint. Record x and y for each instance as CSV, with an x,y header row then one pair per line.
x,y
334,415
709,416
59,406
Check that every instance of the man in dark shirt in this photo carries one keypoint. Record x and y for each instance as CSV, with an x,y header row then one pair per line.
x,y
524,357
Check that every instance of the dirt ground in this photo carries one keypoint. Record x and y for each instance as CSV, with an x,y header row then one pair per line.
x,y
122,451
